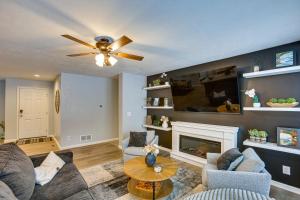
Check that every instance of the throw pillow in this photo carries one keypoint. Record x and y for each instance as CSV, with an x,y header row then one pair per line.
x,y
250,165
17,171
227,160
6,193
48,169
249,153
137,139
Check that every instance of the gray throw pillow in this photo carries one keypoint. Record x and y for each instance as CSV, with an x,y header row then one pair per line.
x,y
249,153
227,160
137,139
250,165
17,171
6,193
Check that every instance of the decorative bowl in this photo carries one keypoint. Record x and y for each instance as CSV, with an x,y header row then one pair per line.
x,y
283,105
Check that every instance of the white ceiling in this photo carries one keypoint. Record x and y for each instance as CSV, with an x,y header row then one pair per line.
x,y
170,34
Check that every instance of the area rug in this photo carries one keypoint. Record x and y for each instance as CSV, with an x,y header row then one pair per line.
x,y
108,181
34,140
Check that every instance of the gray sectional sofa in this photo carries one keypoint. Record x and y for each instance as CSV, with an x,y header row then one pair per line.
x,y
17,178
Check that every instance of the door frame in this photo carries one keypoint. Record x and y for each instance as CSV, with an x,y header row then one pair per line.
x,y
18,106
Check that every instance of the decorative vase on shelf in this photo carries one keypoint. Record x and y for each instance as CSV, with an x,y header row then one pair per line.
x,y
256,105
150,159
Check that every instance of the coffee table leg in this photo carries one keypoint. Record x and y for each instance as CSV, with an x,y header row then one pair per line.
x,y
153,187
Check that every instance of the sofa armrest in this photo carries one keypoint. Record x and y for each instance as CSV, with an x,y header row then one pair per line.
x,y
212,158
125,143
65,155
255,182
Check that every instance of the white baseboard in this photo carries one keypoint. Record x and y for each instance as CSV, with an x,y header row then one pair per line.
x,y
10,140
286,187
88,143
56,142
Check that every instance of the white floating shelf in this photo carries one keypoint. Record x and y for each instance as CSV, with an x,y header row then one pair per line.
x,y
157,127
157,87
295,109
158,107
272,72
271,146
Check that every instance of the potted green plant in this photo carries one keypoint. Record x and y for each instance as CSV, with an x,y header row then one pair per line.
x,y
252,134
263,136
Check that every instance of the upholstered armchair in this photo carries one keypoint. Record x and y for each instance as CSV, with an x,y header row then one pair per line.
x,y
212,178
131,152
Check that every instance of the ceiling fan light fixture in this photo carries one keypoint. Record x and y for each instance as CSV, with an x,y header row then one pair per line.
x,y
99,60
112,60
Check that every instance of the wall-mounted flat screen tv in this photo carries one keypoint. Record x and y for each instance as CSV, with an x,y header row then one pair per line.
x,y
210,91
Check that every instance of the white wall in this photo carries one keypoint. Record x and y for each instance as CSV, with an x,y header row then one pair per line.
x,y
2,99
131,99
11,86
57,116
81,114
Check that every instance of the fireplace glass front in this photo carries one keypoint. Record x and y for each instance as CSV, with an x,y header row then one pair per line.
x,y
197,146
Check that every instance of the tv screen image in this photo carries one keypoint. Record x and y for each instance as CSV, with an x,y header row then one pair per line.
x,y
209,91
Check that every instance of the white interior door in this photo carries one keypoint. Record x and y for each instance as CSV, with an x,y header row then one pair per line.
x,y
33,112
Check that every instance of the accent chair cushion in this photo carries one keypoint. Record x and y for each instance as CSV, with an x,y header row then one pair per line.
x,y
137,139
150,136
17,171
6,193
250,165
230,159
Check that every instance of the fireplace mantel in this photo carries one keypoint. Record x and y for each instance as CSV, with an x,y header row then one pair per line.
x,y
226,135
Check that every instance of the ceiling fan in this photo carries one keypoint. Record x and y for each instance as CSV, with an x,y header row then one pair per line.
x,y
107,49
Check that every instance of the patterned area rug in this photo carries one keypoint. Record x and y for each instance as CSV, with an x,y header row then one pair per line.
x,y
108,181
34,140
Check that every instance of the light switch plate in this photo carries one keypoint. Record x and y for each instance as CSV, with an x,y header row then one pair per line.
x,y
286,170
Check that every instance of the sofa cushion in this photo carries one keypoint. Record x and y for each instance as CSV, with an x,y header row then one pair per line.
x,y
136,151
230,159
66,182
6,193
137,139
16,171
83,195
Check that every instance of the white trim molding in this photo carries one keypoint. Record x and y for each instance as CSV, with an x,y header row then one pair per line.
x,y
88,143
10,140
225,135
286,187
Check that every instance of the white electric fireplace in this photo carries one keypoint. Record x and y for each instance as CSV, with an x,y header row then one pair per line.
x,y
191,141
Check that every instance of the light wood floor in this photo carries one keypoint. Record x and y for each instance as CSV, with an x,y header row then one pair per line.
x,y
100,153
83,156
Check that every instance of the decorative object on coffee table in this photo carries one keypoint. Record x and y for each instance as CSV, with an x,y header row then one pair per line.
x,y
251,94
285,59
151,152
288,137
139,171
283,102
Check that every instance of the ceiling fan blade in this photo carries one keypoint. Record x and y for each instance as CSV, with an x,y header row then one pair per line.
x,y
128,56
79,41
81,54
119,43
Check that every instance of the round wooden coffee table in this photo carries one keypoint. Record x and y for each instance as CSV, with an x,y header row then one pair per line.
x,y
138,171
